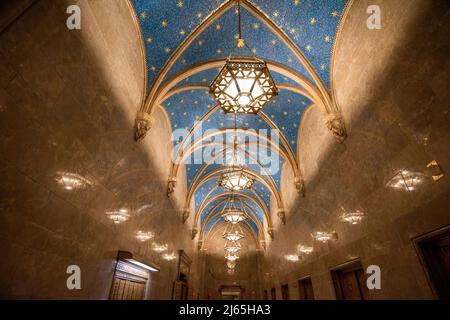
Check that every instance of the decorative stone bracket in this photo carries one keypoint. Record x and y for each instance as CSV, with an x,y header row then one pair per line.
x,y
142,124
335,123
270,232
171,185
300,186
186,214
194,233
282,215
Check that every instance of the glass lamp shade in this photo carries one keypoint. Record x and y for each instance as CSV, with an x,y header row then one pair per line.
x,y
231,264
244,85
231,257
353,217
118,216
234,235
236,180
233,215
232,247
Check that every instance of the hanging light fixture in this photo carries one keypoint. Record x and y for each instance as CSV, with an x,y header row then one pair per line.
x,y
118,216
232,247
233,233
244,85
231,213
231,257
235,178
169,256
231,264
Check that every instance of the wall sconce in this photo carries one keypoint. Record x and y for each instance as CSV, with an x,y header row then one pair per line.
x,y
159,248
169,256
352,217
118,216
324,237
292,257
305,249
144,235
406,180
72,181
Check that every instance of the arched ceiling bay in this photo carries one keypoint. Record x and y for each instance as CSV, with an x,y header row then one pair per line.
x,y
179,35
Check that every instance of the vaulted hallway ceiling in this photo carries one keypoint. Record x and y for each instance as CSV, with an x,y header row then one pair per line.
x,y
186,44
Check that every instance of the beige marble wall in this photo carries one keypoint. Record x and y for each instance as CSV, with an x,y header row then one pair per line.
x,y
67,103
392,86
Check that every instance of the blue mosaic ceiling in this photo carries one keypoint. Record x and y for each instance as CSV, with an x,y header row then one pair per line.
x,y
165,24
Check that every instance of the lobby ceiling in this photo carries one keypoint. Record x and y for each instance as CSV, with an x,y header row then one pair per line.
x,y
186,42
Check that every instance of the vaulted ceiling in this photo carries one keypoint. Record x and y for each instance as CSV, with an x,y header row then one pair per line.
x,y
186,43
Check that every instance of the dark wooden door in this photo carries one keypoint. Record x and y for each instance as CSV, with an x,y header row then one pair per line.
x,y
285,292
273,294
350,283
436,253
305,289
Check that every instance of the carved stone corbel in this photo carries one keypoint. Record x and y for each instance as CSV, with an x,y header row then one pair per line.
x,y
194,233
186,214
282,215
142,124
171,185
335,123
300,186
270,232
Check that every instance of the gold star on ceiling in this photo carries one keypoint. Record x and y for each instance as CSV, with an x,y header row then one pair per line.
x,y
292,30
218,27
143,15
254,50
274,42
275,13
296,2
164,23
153,68
149,40
309,47
334,13
256,26
200,42
180,4
312,21
218,51
182,32
327,39
323,66
199,14
166,50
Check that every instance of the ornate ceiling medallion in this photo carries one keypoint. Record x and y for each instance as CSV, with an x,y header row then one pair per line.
x,y
244,85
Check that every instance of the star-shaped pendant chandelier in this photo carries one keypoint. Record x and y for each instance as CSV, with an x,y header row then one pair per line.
x,y
244,84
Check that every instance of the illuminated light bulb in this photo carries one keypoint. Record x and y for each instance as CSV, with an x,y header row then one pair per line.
x,y
236,180
233,215
231,257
